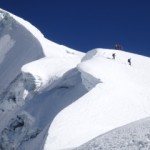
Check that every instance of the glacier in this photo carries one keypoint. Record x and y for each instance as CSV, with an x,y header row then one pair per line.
x,y
53,97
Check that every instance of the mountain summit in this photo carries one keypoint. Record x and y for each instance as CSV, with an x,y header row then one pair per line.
x,y
53,97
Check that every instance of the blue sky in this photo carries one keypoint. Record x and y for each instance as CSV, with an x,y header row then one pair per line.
x,y
88,24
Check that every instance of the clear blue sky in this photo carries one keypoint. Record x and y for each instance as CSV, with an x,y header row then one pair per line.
x,y
88,24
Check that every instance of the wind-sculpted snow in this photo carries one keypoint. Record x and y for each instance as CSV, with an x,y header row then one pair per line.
x,y
89,55
31,83
88,80
67,90
17,47
50,48
50,99
46,72
35,73
121,96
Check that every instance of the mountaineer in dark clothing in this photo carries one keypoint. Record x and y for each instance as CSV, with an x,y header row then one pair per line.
x,y
129,61
113,55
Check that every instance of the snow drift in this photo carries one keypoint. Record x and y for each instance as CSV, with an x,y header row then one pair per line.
x,y
32,67
17,47
121,96
20,44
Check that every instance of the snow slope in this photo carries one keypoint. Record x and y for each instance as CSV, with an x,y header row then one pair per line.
x,y
32,68
17,47
133,136
20,44
53,97
120,96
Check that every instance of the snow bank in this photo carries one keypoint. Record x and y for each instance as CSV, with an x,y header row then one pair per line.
x,y
88,80
30,63
47,71
78,103
121,97
67,90
20,44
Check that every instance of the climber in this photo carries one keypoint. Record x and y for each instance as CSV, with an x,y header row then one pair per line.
x,y
113,55
129,61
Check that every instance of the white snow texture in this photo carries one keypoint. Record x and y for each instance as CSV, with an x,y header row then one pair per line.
x,y
55,98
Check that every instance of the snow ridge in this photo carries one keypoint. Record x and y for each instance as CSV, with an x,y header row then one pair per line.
x,y
54,97
109,104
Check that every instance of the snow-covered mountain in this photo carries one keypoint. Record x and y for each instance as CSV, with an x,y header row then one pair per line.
x,y
53,97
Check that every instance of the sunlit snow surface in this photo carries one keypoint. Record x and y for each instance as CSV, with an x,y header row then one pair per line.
x,y
134,136
121,96
53,97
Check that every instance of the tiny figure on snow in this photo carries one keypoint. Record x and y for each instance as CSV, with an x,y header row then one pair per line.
x,y
113,55
129,61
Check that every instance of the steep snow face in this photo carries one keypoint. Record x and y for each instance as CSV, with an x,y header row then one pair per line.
x,y
50,48
46,72
17,47
120,96
22,43
6,43
34,69
29,124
